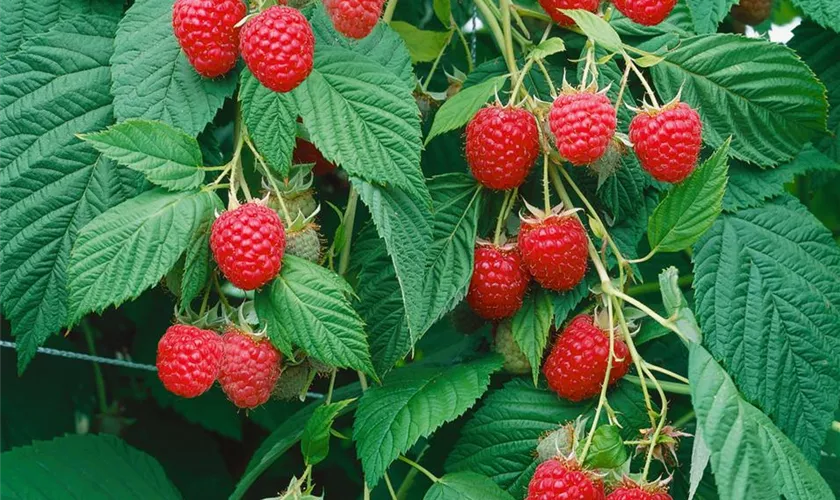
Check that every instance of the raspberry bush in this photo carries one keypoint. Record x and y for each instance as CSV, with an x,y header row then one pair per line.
x,y
420,249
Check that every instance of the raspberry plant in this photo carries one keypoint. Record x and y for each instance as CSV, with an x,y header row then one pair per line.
x,y
479,249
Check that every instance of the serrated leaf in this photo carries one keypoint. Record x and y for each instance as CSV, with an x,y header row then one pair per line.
x,y
691,207
197,267
607,450
750,457
413,403
547,48
741,88
622,191
460,108
443,11
824,12
127,249
165,155
308,306
667,34
83,466
466,486
767,286
596,29
52,183
271,118
707,14
564,303
423,45
700,456
530,326
676,306
315,440
152,78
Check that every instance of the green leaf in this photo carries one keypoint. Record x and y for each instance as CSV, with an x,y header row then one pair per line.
x,y
197,266
824,12
607,450
423,45
707,14
742,88
52,183
83,466
767,285
412,404
530,327
165,155
308,306
315,440
460,108
622,191
564,303
751,458
271,118
443,11
749,186
127,249
677,307
596,29
466,486
376,114
152,77
547,48
691,207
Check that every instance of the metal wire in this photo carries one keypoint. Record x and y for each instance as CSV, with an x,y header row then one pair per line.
x,y
86,357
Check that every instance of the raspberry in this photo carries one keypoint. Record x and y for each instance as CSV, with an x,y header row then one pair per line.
x,y
502,145
667,141
188,360
515,361
306,152
206,30
498,282
629,490
752,12
646,12
293,383
248,244
583,123
554,249
552,7
354,18
278,47
558,479
305,243
250,368
577,363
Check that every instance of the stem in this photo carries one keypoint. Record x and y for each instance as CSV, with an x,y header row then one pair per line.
x,y
546,196
222,297
623,87
349,222
420,468
522,11
409,477
389,11
270,177
634,355
672,387
425,84
328,398
390,487
504,5
680,422
589,49
653,286
645,309
502,216
97,370
663,415
363,381
497,32
466,45
602,400
547,77
663,371
205,299
644,82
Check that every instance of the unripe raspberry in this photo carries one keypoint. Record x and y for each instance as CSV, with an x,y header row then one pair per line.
x,y
515,361
278,47
752,12
554,248
559,479
667,140
502,145
206,31
188,360
293,383
354,18
583,123
552,8
248,245
576,366
250,368
645,12
499,281
305,243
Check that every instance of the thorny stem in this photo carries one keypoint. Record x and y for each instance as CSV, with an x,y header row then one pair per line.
x,y
497,32
622,87
97,370
389,11
642,79
589,61
419,467
602,400
634,355
504,6
662,416
515,90
547,77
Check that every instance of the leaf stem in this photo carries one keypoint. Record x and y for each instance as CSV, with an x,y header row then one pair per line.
x,y
390,487
420,468
642,79
389,11
502,216
624,77
602,400
634,355
645,309
349,222
672,387
653,286
470,65
662,416
328,398
428,80
664,371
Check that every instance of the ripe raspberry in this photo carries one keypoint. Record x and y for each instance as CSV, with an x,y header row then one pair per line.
x,y
752,12
248,244
278,47
354,18
515,361
552,8
502,145
306,152
629,490
206,30
188,360
305,242
557,479
667,141
250,368
554,249
498,283
577,363
583,123
646,12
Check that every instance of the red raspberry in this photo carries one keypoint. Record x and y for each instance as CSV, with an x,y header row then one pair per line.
x,y
646,12
498,283
248,244
250,368
558,479
583,123
306,152
188,360
752,12
552,8
502,145
206,30
577,363
278,47
354,18
554,249
667,141
629,490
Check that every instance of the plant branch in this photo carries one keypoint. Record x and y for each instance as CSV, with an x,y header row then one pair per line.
x,y
97,370
420,468
389,11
